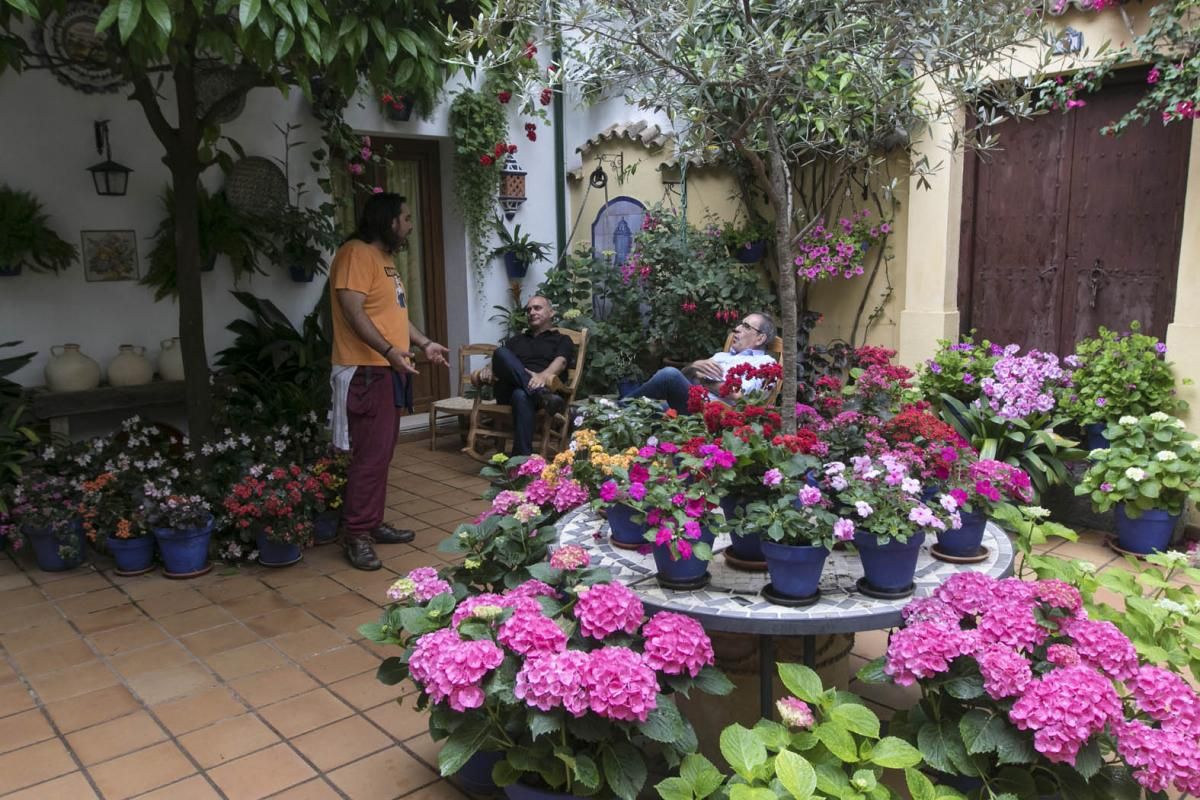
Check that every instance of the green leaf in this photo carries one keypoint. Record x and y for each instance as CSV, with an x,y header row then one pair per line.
x,y
974,728
161,14
701,775
872,671
586,771
801,681
796,774
284,40
107,17
1089,761
743,792
742,750
248,11
674,789
624,770
919,786
713,681
1012,746
965,688
462,744
892,753
128,14
664,723
391,671
838,740
541,723
856,719
775,736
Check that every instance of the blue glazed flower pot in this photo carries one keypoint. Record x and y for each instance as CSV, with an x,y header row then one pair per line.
x,y
325,526
476,775
889,567
1149,533
132,555
184,551
277,554
46,546
965,541
751,252
683,570
518,791
746,547
624,529
515,267
795,570
1093,436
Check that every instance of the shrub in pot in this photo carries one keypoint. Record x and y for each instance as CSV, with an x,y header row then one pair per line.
x,y
26,237
45,508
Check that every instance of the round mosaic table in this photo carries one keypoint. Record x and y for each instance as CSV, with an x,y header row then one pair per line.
x,y
731,602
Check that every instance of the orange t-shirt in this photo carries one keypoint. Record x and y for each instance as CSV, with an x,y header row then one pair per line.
x,y
361,267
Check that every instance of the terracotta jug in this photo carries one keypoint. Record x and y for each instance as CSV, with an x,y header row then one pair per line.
x,y
170,360
130,367
69,370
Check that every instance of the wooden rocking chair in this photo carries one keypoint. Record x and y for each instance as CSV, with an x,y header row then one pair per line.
x,y
493,421
774,349
461,405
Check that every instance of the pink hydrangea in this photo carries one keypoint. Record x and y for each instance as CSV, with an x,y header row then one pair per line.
x,y
1102,645
531,633
1062,655
676,644
452,669
1014,590
930,609
427,584
467,607
794,713
570,493
531,588
506,500
532,466
620,684
1011,623
1064,708
922,651
1005,672
1167,698
554,680
606,608
539,491
571,556
966,592
1160,757
1059,594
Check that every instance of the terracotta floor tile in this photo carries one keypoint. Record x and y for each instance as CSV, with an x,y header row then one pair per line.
x,y
76,585
282,621
218,640
92,601
127,638
232,588
341,605
115,738
473,508
142,771
228,739
164,605
341,743
310,641
305,712
40,636
407,563
151,659
72,786
340,663
26,595
313,790
193,788
72,681
306,592
55,657
419,505
27,561
401,720
197,619
14,580
256,605
365,691
30,616
870,644
369,584
168,684
232,664
264,688
261,774
383,776
91,708
142,586
108,618
198,711
25,728
34,764
7,672
442,790
425,749
289,576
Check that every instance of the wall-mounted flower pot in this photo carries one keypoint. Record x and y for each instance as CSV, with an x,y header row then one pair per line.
x,y
400,109
751,252
515,267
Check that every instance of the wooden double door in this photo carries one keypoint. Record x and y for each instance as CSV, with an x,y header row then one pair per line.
x,y
1065,230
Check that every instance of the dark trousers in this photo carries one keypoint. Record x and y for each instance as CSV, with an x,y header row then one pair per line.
x,y
667,384
512,389
374,421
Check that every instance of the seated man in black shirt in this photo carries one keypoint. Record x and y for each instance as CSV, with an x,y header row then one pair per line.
x,y
524,368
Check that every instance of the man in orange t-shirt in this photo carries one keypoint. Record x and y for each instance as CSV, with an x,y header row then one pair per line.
x,y
372,368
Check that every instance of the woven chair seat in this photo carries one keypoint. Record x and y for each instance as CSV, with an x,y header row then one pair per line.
x,y
459,405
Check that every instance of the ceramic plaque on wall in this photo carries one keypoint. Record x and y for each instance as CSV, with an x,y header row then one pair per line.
x,y
74,52
110,255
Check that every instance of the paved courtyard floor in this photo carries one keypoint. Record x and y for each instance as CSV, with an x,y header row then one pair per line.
x,y
248,682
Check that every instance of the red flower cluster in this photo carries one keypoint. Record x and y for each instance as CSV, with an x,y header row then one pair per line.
x,y
872,356
687,307
531,131
277,501
735,375
914,423
398,102
725,315
804,441
504,97
530,49
547,96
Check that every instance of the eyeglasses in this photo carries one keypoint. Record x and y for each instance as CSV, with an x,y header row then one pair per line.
x,y
747,326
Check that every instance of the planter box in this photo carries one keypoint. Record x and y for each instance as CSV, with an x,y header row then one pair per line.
x,y
1076,512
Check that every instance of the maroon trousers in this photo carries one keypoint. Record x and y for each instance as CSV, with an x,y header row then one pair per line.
x,y
374,422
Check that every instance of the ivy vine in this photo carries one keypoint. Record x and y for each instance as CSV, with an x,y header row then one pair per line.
x,y
480,127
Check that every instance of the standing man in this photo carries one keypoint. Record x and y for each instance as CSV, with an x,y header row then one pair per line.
x,y
524,370
372,368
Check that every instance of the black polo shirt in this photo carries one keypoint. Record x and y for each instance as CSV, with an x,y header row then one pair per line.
x,y
536,352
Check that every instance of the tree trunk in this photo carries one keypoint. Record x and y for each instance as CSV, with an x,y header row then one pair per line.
x,y
779,189
184,163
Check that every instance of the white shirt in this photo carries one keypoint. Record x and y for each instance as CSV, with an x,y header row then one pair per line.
x,y
756,358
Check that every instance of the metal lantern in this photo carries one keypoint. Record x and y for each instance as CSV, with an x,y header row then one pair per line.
x,y
512,186
110,178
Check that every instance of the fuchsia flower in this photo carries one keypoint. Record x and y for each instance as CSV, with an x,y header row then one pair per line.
x,y
453,669
620,684
531,633
554,680
606,608
1065,708
1005,672
676,644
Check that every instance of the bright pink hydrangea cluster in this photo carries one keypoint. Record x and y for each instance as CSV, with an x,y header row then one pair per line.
x,y
428,584
1167,698
1160,757
924,650
1005,672
620,684
554,680
1064,708
1102,645
451,668
528,633
571,556
607,608
676,644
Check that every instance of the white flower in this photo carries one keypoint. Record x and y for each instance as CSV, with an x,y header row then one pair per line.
x,y
1128,419
1166,455
1195,443
910,485
1037,512
579,421
948,503
1159,416
652,441
1099,452
1170,605
1135,474
1086,567
1177,422
864,509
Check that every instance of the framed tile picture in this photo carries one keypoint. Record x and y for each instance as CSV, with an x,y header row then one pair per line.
x,y
110,255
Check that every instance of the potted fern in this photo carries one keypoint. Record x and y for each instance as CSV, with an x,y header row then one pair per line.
x,y
26,236
519,250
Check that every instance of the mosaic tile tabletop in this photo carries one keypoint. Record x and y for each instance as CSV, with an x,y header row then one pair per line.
x,y
731,602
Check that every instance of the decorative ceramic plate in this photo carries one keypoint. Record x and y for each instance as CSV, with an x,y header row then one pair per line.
x,y
74,52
